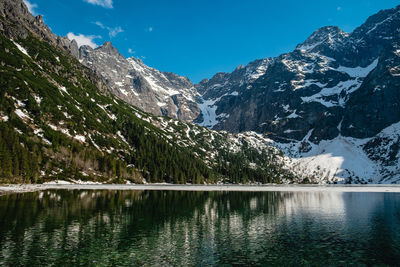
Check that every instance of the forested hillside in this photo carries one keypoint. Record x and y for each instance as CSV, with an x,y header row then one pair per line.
x,y
58,121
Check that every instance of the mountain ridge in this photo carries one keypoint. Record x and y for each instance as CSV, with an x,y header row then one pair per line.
x,y
336,92
59,120
333,88
203,103
160,93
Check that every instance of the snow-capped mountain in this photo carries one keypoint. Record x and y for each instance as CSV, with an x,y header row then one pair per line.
x,y
336,92
318,86
226,86
332,104
160,93
58,123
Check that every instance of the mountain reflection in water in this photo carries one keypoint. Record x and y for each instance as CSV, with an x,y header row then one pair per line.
x,y
62,227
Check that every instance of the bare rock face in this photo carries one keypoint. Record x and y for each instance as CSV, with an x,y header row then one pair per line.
x,y
335,83
160,93
68,45
16,11
332,104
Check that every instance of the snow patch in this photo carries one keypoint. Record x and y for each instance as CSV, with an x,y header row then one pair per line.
x,y
63,89
161,104
349,87
20,48
123,91
53,127
359,72
333,160
342,158
260,70
293,115
111,116
22,115
290,131
122,137
67,115
208,109
155,78
80,138
37,99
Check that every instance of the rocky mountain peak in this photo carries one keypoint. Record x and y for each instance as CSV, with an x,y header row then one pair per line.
x,y
17,12
382,17
315,90
39,20
204,80
160,93
178,79
340,92
325,36
136,60
108,48
67,44
240,67
107,44
19,22
383,25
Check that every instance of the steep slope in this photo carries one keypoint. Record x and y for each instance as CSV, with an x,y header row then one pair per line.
x,y
59,121
327,78
225,86
334,90
160,93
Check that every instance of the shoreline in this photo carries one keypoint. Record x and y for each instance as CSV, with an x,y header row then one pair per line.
x,y
24,188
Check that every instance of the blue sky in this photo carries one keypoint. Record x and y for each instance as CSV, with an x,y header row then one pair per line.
x,y
198,38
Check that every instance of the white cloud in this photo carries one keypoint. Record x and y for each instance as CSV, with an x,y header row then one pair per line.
x,y
83,39
131,51
98,23
112,32
103,3
31,7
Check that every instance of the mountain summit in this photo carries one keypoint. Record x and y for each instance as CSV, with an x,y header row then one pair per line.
x,y
331,105
330,80
335,92
336,89
161,93
60,120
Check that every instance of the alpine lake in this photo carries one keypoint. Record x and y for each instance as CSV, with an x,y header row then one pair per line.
x,y
183,228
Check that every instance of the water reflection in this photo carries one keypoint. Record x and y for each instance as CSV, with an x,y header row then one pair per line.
x,y
199,228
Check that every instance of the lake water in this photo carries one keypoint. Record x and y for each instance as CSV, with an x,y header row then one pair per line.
x,y
174,228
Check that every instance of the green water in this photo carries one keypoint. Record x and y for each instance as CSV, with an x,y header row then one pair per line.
x,y
165,228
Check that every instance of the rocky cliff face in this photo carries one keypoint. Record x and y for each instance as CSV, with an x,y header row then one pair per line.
x,y
332,104
160,93
334,83
336,89
17,22
57,123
